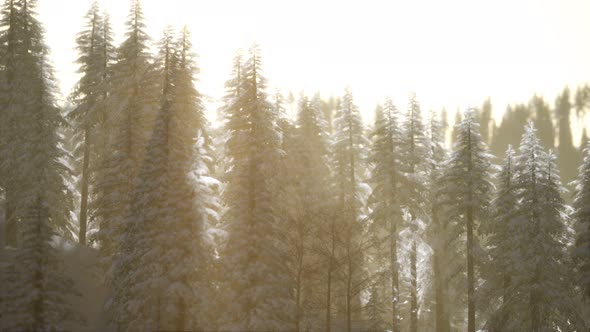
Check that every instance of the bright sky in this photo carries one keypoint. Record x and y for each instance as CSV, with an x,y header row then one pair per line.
x,y
452,53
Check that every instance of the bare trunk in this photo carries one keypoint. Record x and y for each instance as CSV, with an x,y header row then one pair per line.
x,y
394,277
84,189
330,267
348,281
440,321
470,274
414,290
298,292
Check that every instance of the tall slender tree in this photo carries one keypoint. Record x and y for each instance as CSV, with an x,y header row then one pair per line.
x,y
89,103
437,236
501,241
468,190
259,290
35,178
582,218
538,290
414,153
348,146
385,201
131,106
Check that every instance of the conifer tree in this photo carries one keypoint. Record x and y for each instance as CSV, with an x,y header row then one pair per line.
x,y
128,124
306,157
89,103
36,178
258,289
414,153
581,216
501,240
348,145
539,290
165,284
438,235
385,200
468,190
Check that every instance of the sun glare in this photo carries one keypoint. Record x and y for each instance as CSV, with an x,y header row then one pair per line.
x,y
452,54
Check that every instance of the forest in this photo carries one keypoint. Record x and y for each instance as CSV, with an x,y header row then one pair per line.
x,y
126,209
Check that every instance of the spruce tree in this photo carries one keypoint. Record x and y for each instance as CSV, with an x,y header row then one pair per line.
x,y
501,242
385,200
127,124
437,235
348,146
259,292
89,104
36,179
306,148
414,154
539,290
468,190
581,216
166,284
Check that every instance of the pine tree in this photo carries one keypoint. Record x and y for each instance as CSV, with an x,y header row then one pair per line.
x,y
539,290
128,123
36,178
348,145
437,156
501,240
89,103
306,149
166,284
257,284
468,190
581,216
414,153
385,200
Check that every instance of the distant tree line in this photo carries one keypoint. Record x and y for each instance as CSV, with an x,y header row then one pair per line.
x,y
268,223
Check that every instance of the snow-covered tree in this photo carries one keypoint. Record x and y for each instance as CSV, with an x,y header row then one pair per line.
x,y
89,97
128,123
165,283
306,200
437,233
539,291
385,200
414,154
257,284
501,241
467,190
582,219
348,148
35,177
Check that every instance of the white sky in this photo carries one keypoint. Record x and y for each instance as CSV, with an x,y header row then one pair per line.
x,y
452,53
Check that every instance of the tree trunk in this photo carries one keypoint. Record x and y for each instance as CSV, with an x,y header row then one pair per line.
x,y
394,277
298,290
330,267
84,189
414,290
349,281
439,291
470,274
